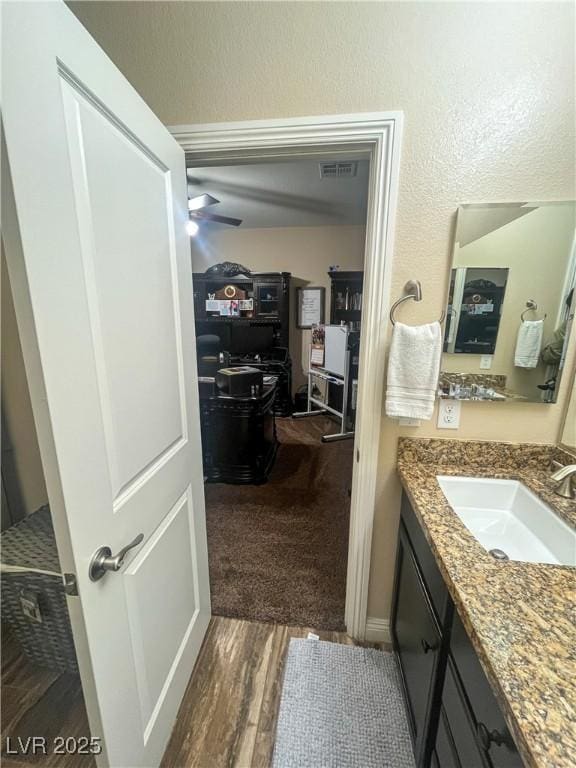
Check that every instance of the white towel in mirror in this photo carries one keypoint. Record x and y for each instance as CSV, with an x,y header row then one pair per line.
x,y
528,344
413,370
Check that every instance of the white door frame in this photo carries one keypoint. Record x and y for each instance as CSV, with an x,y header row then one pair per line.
x,y
376,135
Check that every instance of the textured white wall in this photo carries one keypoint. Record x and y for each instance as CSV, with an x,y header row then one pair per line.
x,y
488,94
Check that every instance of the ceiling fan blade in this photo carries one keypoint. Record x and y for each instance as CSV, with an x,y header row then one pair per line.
x,y
201,201
205,216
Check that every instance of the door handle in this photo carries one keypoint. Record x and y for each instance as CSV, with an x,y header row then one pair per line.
x,y
103,560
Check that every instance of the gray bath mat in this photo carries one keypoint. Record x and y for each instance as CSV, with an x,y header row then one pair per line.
x,y
341,707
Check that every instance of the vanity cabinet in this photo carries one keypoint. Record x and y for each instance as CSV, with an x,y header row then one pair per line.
x,y
444,754
459,741
478,700
454,717
417,638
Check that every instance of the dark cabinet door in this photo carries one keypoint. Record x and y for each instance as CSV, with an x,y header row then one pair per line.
x,y
416,640
268,299
492,734
454,716
446,755
435,586
459,723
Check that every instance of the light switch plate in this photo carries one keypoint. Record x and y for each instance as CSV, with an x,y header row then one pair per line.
x,y
486,362
449,414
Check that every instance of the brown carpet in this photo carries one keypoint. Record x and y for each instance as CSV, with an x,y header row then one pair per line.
x,y
278,551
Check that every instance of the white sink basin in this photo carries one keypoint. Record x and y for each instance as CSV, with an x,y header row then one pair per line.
x,y
504,515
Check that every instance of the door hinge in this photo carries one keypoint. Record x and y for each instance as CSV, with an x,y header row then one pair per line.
x,y
70,584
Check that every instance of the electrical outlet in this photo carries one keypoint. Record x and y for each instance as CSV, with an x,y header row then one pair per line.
x,y
486,362
449,414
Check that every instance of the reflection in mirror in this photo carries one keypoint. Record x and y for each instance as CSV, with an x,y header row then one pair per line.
x,y
474,310
510,301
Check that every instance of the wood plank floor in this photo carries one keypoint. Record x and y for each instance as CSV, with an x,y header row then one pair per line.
x,y
227,718
37,701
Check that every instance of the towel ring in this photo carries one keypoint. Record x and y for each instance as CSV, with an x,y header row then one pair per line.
x,y
413,290
531,306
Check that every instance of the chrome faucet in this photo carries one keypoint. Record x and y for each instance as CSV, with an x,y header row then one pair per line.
x,y
565,479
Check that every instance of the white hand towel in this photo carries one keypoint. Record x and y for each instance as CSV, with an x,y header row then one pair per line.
x,y
413,370
528,344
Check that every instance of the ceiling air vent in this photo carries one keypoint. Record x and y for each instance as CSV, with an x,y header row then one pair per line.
x,y
345,170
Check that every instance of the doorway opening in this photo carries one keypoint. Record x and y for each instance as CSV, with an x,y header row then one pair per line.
x,y
278,267
376,137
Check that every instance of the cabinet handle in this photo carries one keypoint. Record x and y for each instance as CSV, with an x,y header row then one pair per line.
x,y
426,646
487,738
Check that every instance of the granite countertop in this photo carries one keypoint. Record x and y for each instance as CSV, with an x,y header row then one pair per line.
x,y
521,617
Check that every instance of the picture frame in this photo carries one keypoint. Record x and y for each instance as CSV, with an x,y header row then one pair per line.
x,y
310,304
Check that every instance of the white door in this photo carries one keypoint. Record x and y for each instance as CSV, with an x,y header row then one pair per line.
x,y
100,267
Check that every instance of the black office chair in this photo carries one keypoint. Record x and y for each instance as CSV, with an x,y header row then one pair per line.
x,y
208,348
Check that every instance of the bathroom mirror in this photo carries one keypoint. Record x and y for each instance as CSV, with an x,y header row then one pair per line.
x,y
510,301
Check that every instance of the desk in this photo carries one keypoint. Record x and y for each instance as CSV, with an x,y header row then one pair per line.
x,y
239,441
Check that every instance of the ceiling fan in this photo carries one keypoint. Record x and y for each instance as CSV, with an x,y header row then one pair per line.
x,y
197,213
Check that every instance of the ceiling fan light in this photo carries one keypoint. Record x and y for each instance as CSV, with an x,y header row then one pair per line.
x,y
192,228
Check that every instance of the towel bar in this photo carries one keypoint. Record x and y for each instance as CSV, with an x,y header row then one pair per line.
x,y
413,290
531,306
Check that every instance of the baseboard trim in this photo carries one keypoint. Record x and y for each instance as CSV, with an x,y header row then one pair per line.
x,y
377,630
